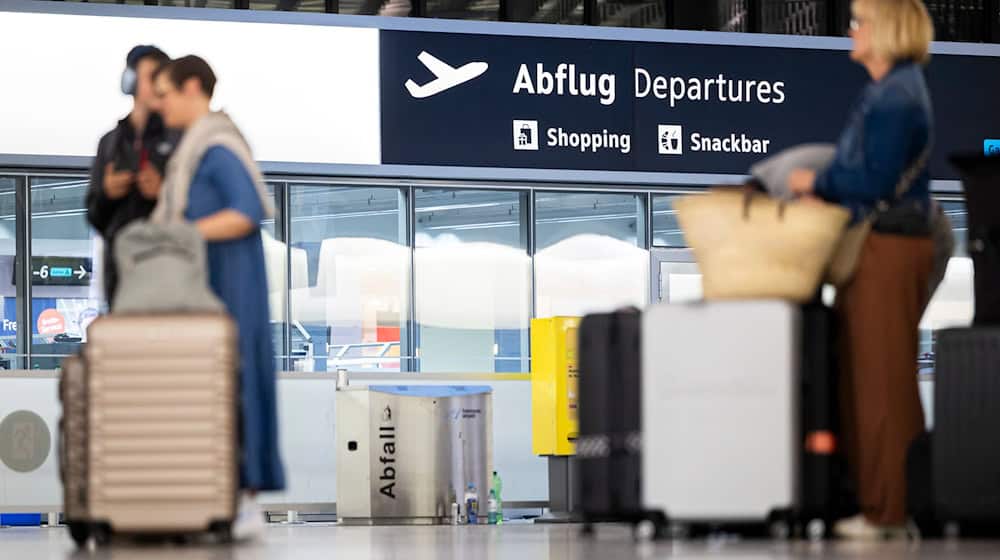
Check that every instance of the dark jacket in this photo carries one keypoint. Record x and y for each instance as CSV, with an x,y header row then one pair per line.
x,y
121,148
885,135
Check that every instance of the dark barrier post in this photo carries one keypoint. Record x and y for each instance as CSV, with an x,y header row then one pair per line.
x,y
992,20
517,10
22,260
590,12
696,16
837,17
754,16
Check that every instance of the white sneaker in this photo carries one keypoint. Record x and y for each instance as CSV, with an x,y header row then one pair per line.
x,y
249,524
858,528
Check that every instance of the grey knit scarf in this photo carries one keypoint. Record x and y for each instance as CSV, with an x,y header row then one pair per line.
x,y
214,129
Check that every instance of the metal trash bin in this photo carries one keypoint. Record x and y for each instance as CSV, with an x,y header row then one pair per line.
x,y
406,453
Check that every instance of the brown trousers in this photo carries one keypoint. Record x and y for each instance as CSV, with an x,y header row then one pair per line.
x,y
879,314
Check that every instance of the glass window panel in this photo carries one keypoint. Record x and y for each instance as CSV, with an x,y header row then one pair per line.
x,y
8,284
959,224
67,263
276,263
548,11
399,8
349,271
269,225
732,15
588,257
221,4
794,17
666,231
482,10
289,5
960,20
953,302
131,2
632,13
473,281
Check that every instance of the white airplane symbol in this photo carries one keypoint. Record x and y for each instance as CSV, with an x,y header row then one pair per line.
x,y
447,76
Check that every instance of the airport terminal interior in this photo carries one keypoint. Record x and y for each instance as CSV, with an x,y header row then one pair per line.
x,y
432,276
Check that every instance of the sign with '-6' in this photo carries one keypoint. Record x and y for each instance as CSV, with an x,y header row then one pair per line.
x,y
60,271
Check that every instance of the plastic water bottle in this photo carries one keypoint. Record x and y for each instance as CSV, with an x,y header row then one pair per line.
x,y
471,505
494,512
498,492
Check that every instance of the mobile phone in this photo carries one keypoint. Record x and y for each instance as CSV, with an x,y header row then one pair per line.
x,y
125,161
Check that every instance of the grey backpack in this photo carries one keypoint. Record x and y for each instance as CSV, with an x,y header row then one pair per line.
x,y
162,269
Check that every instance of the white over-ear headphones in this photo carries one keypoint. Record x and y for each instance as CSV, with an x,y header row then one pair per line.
x,y
129,75
128,81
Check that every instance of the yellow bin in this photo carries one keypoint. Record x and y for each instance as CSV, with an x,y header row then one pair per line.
x,y
554,385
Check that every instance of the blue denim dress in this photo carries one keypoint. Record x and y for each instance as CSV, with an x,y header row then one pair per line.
x,y
887,131
237,275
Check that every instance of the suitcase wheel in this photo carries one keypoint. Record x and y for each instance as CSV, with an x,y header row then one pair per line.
x,y
223,531
780,526
654,527
679,531
816,530
780,530
80,532
952,530
101,533
644,530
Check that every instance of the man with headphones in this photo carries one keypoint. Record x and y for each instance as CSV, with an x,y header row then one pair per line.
x,y
131,159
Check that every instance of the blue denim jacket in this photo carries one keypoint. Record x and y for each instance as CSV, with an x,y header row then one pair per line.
x,y
887,131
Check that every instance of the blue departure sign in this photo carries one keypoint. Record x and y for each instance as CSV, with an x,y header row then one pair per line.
x,y
580,104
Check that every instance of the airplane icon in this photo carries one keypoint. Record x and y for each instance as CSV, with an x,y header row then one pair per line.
x,y
447,76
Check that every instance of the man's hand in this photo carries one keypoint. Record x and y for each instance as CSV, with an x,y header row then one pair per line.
x,y
117,183
150,182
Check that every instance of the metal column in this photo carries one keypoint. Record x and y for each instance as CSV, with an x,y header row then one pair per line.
x,y
22,264
283,233
527,219
408,237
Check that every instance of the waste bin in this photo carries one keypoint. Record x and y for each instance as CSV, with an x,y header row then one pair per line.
x,y
405,454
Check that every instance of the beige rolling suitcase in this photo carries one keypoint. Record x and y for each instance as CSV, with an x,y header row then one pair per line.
x,y
73,445
149,436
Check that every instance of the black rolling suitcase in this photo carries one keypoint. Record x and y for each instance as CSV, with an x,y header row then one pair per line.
x,y
608,446
965,455
823,494
981,183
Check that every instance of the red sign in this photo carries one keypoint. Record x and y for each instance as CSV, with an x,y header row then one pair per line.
x,y
51,322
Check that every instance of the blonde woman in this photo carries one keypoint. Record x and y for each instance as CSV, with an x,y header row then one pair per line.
x,y
885,145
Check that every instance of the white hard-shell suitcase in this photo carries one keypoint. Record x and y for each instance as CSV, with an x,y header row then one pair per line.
x,y
720,412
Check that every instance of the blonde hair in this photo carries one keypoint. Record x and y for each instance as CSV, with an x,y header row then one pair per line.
x,y
901,29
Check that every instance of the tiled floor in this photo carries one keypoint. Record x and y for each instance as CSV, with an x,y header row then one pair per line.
x,y
509,542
